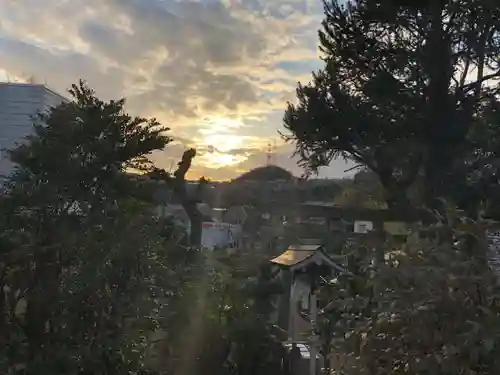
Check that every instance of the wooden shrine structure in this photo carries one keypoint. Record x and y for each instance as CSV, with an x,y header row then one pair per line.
x,y
303,268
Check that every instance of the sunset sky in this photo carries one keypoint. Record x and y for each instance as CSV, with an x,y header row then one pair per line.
x,y
217,72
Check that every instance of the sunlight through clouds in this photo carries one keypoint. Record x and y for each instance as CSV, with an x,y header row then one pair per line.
x,y
223,142
216,72
218,160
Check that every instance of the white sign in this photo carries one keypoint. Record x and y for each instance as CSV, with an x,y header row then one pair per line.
x,y
363,226
220,235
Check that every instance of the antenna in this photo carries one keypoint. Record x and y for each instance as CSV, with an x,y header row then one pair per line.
x,y
271,151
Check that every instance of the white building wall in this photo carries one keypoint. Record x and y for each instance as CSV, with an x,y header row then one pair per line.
x,y
19,102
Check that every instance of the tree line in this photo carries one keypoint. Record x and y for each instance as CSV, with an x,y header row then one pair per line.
x,y
91,282
409,92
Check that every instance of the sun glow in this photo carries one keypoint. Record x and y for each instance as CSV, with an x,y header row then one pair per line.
x,y
219,124
223,142
218,160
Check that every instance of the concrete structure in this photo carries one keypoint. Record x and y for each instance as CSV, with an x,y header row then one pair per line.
x,y
19,102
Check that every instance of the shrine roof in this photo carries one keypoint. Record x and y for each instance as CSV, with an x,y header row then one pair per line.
x,y
297,256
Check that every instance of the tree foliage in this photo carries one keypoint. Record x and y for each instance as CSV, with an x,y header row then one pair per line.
x,y
364,191
401,92
268,173
225,329
409,90
430,306
90,279
188,199
84,266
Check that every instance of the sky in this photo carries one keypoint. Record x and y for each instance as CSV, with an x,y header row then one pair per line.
x,y
218,73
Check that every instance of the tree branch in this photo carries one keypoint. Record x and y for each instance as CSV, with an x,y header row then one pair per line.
x,y
483,78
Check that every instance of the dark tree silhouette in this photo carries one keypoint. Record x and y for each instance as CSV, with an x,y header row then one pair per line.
x,y
401,90
188,201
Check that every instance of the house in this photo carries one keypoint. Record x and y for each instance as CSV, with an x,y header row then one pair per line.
x,y
323,219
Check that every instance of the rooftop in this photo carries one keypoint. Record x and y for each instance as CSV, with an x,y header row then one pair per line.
x,y
34,84
331,210
299,256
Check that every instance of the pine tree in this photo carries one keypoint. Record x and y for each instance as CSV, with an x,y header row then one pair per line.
x,y
403,86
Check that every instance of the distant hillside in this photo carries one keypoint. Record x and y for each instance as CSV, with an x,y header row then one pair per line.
x,y
267,173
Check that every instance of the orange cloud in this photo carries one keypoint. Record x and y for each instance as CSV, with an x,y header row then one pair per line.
x,y
209,70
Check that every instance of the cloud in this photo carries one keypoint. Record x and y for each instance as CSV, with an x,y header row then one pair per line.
x,y
252,157
21,58
217,72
